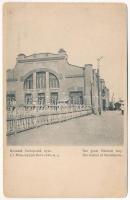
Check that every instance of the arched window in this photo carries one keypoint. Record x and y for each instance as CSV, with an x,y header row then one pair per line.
x,y
28,84
53,81
41,81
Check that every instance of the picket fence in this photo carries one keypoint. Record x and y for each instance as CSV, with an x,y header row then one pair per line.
x,y
24,118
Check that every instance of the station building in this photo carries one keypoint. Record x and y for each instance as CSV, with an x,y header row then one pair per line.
x,y
46,78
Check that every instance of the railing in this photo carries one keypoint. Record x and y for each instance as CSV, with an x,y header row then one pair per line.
x,y
24,118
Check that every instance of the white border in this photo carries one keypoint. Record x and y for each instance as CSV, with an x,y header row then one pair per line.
x,y
71,1
1,86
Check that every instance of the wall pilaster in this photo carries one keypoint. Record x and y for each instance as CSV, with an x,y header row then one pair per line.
x,y
47,89
88,84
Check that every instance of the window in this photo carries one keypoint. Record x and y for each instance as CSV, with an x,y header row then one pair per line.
x,y
53,81
54,98
28,84
76,97
28,99
11,100
40,80
41,98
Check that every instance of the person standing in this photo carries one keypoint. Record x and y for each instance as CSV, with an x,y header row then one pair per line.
x,y
122,109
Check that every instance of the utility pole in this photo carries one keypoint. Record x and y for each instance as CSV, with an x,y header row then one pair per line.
x,y
98,76
113,101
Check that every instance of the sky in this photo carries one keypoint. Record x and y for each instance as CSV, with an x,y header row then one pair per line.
x,y
85,31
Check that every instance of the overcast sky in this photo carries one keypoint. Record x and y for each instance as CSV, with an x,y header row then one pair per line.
x,y
85,31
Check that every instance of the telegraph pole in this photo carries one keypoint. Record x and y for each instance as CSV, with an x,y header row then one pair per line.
x,y
98,76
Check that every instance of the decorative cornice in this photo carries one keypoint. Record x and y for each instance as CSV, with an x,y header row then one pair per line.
x,y
40,59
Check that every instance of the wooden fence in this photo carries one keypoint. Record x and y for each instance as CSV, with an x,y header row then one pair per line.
x,y
25,118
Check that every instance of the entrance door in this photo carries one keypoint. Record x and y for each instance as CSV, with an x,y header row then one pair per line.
x,y
54,98
76,97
